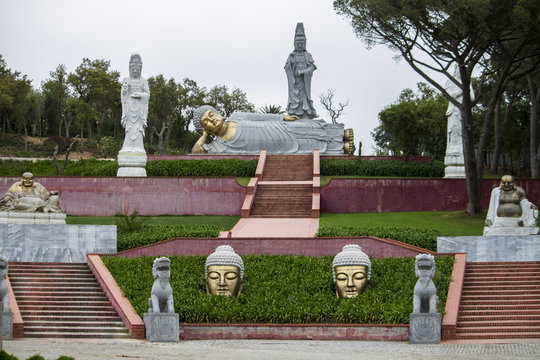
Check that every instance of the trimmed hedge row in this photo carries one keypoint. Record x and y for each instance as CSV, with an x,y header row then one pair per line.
x,y
344,167
282,289
223,167
424,238
150,234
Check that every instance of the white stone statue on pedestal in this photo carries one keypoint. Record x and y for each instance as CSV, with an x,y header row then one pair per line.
x,y
454,161
135,94
510,213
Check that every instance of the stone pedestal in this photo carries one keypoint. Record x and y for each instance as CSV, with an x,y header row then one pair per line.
x,y
132,164
162,327
425,328
492,248
55,243
7,326
21,217
455,165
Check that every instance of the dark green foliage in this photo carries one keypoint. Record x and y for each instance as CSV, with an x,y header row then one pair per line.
x,y
199,168
36,357
63,357
91,167
129,223
281,289
150,234
424,238
5,356
343,167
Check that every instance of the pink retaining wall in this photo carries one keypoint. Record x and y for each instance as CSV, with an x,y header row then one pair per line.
x,y
295,332
388,195
374,247
106,196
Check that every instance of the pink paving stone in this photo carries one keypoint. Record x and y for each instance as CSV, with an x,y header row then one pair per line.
x,y
275,228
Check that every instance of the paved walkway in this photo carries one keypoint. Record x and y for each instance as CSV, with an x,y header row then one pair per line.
x,y
264,349
274,227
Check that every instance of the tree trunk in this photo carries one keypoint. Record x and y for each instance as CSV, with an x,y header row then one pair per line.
x,y
535,153
497,136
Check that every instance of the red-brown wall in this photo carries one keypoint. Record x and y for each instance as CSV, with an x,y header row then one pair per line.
x,y
105,196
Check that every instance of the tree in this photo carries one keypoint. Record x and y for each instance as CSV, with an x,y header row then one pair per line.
x,y
163,108
99,88
225,102
14,91
335,111
271,109
414,125
432,35
57,94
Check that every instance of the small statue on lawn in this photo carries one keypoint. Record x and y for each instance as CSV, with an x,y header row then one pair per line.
x,y
425,294
4,290
161,299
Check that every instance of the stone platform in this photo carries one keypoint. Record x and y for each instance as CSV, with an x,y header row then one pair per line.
x,y
55,242
19,217
492,248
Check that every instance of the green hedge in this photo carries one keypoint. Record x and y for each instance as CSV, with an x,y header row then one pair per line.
x,y
94,167
343,167
222,167
282,289
5,356
150,234
424,238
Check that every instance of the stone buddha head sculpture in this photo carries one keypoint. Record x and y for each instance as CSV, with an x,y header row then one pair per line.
x,y
224,272
352,271
27,180
299,38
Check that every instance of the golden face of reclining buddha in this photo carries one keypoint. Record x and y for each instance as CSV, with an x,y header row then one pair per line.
x,y
223,280
351,280
212,121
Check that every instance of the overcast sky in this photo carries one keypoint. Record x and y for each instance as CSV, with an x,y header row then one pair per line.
x,y
238,43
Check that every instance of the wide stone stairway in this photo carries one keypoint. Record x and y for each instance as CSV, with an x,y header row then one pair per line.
x,y
286,188
500,301
63,300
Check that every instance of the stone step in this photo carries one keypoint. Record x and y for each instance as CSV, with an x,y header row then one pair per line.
x,y
72,317
500,324
78,335
522,280
497,335
498,329
63,299
509,297
73,311
502,292
465,319
28,330
498,305
55,277
60,323
57,290
66,303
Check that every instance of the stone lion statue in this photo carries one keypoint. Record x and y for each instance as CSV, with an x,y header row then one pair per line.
x,y
161,298
425,294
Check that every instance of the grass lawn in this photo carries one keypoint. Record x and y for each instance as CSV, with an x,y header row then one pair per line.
x,y
450,223
226,222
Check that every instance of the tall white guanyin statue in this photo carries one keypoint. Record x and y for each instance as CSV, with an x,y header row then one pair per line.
x,y
135,94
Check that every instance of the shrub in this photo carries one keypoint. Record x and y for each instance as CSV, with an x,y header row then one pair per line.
x,y
129,223
201,168
344,167
150,234
281,289
424,238
5,356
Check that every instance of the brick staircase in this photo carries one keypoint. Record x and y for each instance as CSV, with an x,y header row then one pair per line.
x,y
286,188
63,301
500,301
288,168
